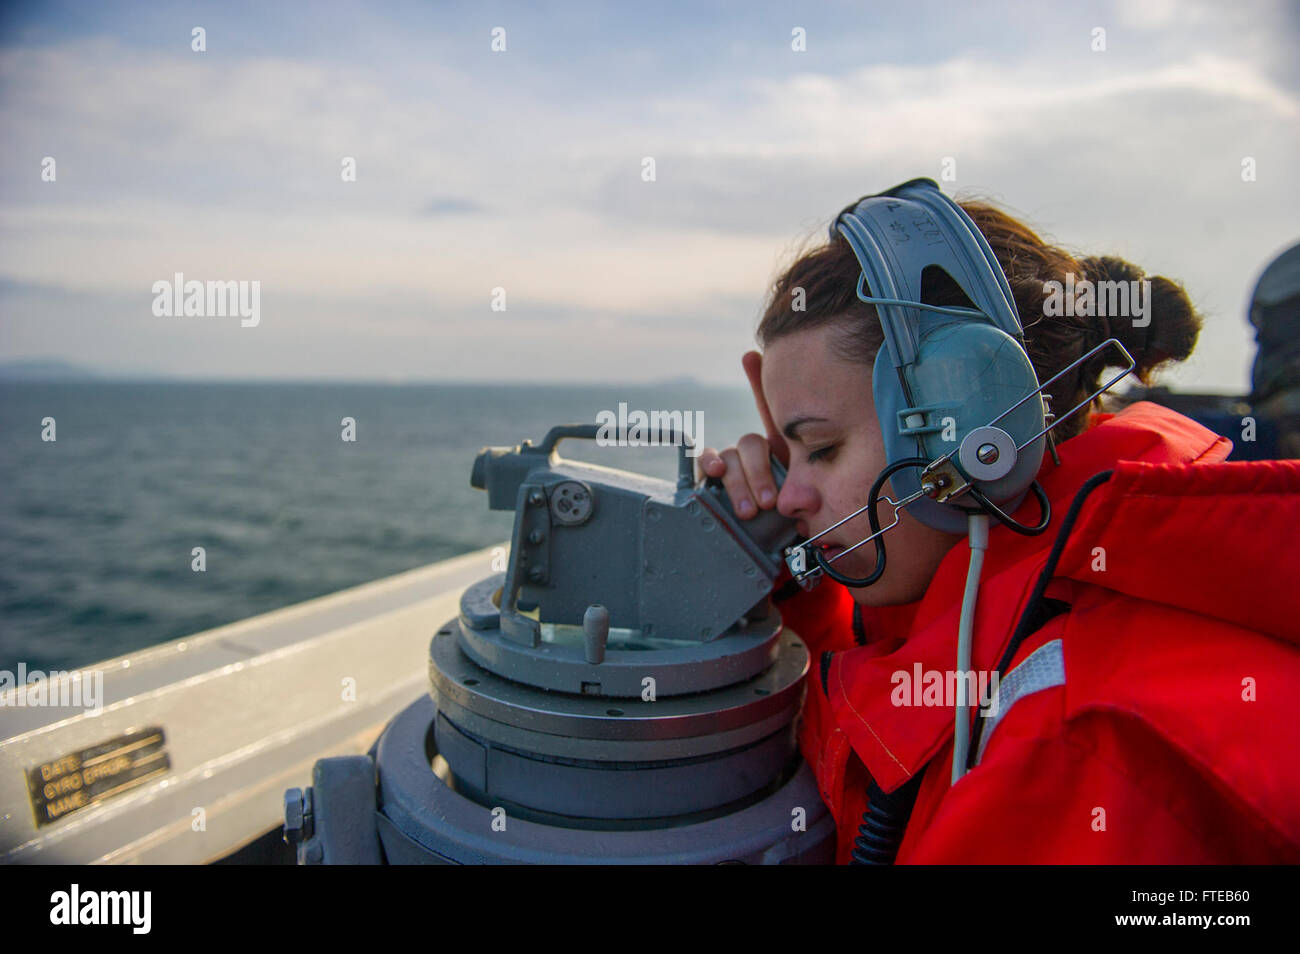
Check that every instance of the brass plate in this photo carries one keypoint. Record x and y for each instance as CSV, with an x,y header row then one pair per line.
x,y
86,777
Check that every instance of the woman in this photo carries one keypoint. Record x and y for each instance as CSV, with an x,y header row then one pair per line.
x,y
1168,733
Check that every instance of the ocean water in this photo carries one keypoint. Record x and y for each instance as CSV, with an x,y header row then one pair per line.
x,y
97,527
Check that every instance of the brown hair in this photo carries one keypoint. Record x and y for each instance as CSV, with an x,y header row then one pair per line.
x,y
828,275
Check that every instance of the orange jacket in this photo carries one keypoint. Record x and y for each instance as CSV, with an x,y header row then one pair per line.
x,y
1175,736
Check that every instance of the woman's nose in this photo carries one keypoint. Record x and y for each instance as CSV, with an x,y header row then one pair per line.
x,y
796,498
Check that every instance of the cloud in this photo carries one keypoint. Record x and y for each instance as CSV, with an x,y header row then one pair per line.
x,y
449,205
228,167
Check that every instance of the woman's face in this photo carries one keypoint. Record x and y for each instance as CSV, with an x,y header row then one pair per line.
x,y
823,406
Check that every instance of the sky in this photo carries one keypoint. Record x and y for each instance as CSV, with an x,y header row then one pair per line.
x,y
522,169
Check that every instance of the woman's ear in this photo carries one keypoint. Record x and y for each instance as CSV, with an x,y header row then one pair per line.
x,y
753,365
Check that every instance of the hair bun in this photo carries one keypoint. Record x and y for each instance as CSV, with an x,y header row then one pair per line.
x,y
1108,268
1171,323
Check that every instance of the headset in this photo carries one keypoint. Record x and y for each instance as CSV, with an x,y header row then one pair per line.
x,y
964,419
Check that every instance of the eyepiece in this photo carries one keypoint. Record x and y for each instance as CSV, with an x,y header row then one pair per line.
x,y
478,476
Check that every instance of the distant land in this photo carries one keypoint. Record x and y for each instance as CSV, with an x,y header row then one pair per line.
x,y
54,369
44,369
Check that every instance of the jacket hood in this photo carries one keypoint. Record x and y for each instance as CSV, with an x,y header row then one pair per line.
x,y
1211,539
1162,520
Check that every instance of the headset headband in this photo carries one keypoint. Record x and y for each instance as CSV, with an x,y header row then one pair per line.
x,y
895,241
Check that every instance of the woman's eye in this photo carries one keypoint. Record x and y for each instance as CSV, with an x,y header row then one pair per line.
x,y
822,453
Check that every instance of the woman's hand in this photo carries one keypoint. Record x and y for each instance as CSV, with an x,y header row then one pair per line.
x,y
745,470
